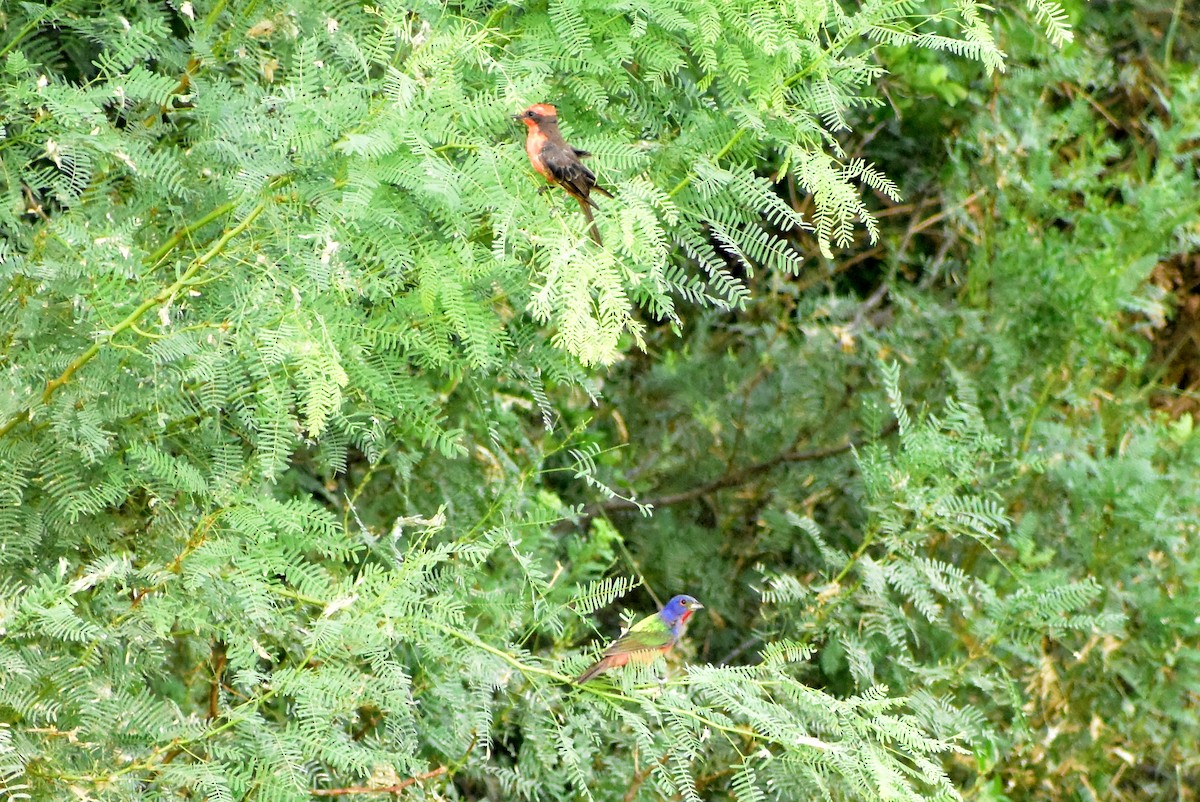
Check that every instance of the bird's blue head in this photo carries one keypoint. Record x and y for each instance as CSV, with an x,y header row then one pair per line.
x,y
679,610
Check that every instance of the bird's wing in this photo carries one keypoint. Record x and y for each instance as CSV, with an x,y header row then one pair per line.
x,y
568,171
649,633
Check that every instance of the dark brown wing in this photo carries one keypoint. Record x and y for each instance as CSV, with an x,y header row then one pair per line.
x,y
568,171
583,154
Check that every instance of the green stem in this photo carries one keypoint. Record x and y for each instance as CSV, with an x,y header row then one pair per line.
x,y
595,690
496,16
867,540
527,669
133,317
1036,413
211,18
29,27
178,237
722,153
1172,30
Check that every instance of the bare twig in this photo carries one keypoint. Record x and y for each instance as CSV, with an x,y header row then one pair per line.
x,y
937,218
869,304
381,789
159,298
639,777
733,478
741,647
935,266
219,661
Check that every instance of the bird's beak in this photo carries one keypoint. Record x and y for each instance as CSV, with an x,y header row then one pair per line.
x,y
518,117
697,606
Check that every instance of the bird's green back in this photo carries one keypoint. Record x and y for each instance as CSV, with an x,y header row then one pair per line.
x,y
649,633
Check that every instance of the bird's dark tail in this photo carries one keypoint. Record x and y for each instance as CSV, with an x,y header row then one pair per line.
x,y
594,670
586,206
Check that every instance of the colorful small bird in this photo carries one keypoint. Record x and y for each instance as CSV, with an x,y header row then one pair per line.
x,y
647,639
560,163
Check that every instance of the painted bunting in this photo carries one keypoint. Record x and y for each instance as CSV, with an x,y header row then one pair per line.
x,y
647,639
558,162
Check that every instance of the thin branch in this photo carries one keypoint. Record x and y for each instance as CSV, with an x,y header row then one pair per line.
x,y
33,24
145,306
179,236
869,304
133,317
722,153
219,661
734,478
1172,30
937,218
527,669
741,647
381,789
590,688
639,778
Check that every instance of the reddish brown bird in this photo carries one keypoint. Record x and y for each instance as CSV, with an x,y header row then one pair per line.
x,y
560,163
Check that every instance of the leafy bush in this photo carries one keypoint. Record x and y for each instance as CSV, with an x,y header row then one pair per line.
x,y
303,397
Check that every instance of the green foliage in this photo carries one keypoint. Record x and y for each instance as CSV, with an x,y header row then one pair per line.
x,y
300,373
1107,206
1014,557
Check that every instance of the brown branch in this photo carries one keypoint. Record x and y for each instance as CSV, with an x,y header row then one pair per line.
x,y
219,661
130,321
640,777
914,228
937,218
382,789
734,478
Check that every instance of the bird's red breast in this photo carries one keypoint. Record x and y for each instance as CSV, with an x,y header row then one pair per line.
x,y
535,140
